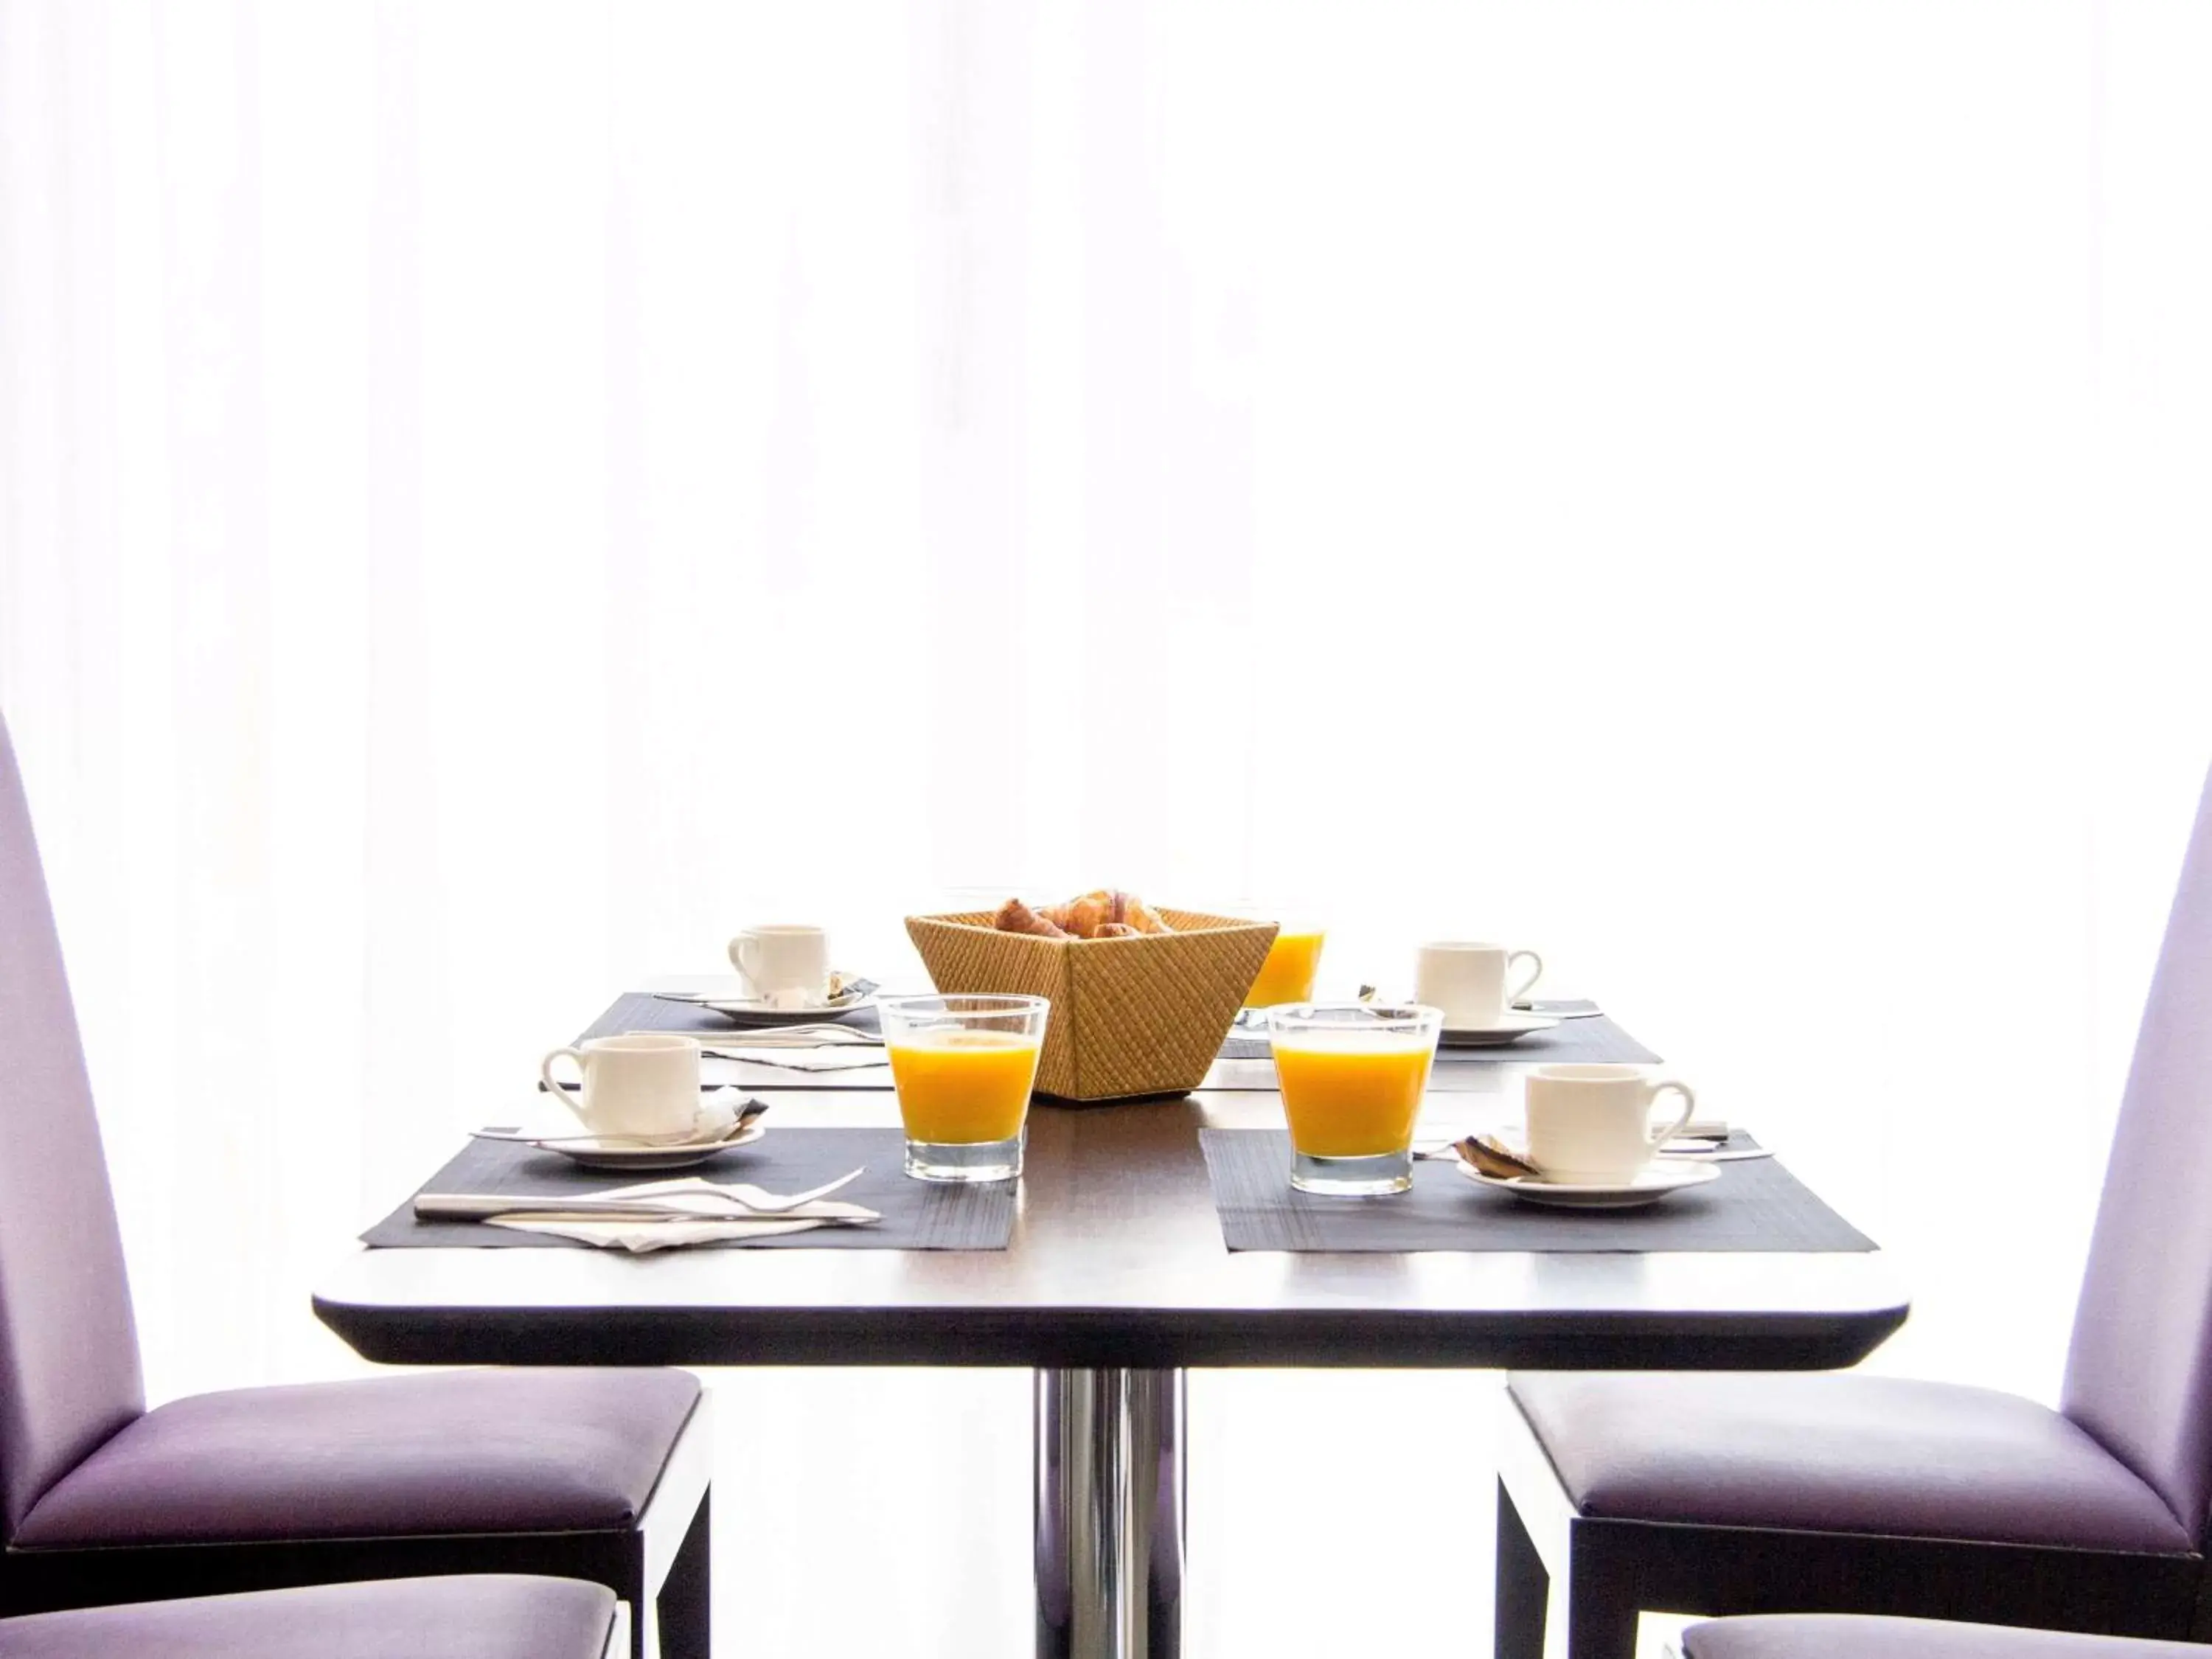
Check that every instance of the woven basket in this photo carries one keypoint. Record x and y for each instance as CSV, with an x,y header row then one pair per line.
x,y
1142,1016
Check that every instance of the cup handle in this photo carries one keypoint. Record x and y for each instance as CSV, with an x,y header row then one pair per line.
x,y
1689,1109
745,944
573,1100
1528,984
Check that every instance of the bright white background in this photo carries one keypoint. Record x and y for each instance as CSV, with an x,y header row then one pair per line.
x,y
493,497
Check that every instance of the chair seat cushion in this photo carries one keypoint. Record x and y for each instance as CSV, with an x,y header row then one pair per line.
x,y
442,1452
1838,1453
488,1617
1837,1636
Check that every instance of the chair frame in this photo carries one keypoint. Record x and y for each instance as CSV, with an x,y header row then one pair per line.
x,y
660,1567
1557,1566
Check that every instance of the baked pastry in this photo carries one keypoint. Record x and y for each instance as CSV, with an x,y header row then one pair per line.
x,y
1084,917
1015,917
1103,913
1140,916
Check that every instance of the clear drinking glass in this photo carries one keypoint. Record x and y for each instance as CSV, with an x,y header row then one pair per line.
x,y
963,1066
1352,1076
1287,975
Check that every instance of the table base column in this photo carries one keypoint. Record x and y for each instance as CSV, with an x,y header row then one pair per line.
x,y
1110,1514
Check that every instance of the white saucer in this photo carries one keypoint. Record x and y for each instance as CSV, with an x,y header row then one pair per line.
x,y
1505,1028
1653,1183
624,1154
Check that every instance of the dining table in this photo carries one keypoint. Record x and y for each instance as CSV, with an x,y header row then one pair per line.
x,y
1116,1282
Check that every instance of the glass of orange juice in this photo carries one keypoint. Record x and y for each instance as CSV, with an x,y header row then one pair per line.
x,y
1352,1076
963,1066
1287,975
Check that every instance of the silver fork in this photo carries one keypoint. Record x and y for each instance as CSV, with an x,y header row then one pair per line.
x,y
754,1200
671,1201
777,1037
762,1203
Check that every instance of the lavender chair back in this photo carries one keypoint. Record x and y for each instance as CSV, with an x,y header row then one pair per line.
x,y
69,1351
2139,1373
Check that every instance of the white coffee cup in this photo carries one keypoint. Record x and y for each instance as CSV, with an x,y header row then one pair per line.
x,y
642,1087
1468,981
787,965
1592,1124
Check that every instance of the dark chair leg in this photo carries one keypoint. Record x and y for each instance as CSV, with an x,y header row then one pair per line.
x,y
1602,1609
686,1596
1523,1588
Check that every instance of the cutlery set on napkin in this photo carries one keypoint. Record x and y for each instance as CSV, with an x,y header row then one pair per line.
x,y
655,1215
796,1047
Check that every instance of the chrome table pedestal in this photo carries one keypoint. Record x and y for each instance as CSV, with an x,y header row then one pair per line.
x,y
1110,1514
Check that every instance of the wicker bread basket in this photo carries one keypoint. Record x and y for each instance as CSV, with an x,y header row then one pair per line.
x,y
1142,1016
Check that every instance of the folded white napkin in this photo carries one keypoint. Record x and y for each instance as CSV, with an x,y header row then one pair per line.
x,y
836,1057
718,1222
794,1051
641,1237
788,1036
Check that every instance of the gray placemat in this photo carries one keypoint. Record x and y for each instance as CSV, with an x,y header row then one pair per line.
x,y
1756,1205
641,1011
918,1215
1592,1039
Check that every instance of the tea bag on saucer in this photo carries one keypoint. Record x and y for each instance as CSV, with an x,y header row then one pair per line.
x,y
1487,1155
718,1113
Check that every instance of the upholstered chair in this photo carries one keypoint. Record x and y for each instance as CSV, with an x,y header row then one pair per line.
x,y
1846,1493
1843,1635
595,1474
477,1617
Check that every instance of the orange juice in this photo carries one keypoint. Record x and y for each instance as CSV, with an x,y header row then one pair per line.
x,y
962,1087
1287,975
1352,1096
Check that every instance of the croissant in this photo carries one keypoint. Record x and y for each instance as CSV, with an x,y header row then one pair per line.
x,y
1099,903
1103,912
1087,914
1015,917
1133,911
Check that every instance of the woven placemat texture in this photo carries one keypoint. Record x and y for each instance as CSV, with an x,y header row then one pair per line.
x,y
918,1215
1756,1205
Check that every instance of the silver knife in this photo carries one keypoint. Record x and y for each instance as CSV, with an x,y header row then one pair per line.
x,y
483,1207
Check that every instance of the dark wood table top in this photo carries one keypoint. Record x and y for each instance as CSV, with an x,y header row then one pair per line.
x,y
1116,1260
